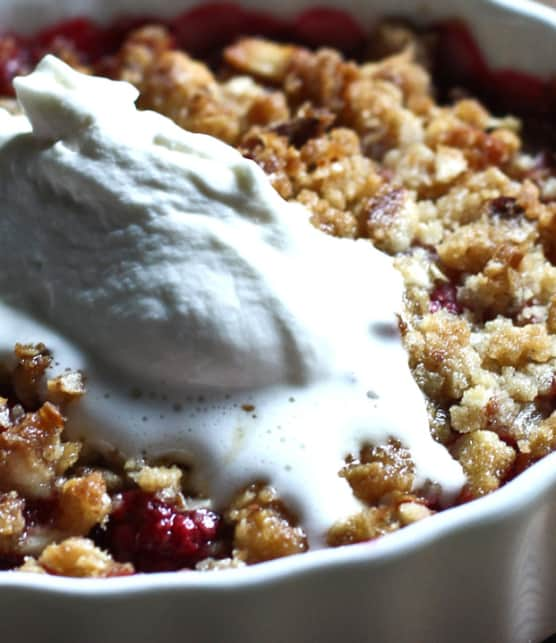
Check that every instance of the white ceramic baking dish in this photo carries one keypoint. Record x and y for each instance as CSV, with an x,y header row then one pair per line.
x,y
483,572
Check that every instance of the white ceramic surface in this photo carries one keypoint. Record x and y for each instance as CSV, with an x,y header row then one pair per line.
x,y
484,572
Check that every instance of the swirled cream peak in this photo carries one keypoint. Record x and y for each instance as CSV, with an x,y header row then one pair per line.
x,y
163,261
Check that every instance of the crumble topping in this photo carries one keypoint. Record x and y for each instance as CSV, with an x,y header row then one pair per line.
x,y
448,190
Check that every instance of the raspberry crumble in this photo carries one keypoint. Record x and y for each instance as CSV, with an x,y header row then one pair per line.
x,y
450,190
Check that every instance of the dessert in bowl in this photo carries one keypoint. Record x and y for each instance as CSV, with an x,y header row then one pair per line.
x,y
446,190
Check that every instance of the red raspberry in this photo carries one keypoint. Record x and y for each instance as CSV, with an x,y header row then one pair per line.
x,y
153,536
321,26
40,512
79,34
518,90
206,27
10,561
458,55
465,495
120,28
445,296
14,60
263,24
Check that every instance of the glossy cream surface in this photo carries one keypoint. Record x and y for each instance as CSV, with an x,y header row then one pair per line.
x,y
211,320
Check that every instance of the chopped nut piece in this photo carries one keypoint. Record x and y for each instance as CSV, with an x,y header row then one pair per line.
x,y
66,387
32,454
365,525
12,521
380,471
263,530
158,479
262,58
31,566
391,219
485,459
263,534
83,503
80,558
33,360
449,164
410,512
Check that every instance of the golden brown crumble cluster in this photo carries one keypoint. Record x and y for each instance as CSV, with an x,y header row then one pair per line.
x,y
447,190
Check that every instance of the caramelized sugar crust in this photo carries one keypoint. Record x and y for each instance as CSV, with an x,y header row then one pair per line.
x,y
446,189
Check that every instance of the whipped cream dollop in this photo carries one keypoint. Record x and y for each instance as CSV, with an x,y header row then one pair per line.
x,y
213,322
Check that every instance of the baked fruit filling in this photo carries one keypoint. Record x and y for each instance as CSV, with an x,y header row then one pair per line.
x,y
451,191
